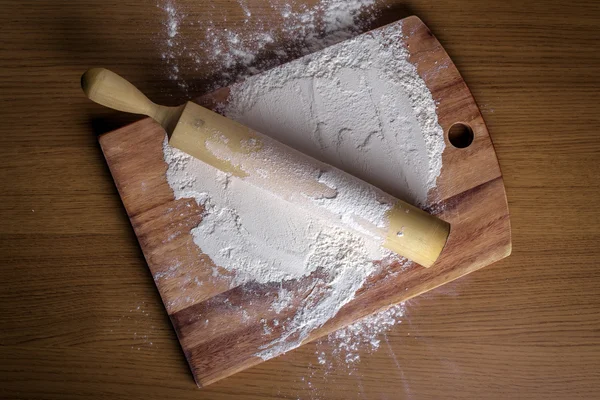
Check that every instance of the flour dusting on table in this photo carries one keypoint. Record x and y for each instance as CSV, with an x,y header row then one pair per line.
x,y
358,105
235,53
363,334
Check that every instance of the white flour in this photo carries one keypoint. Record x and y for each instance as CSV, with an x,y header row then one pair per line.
x,y
254,233
360,106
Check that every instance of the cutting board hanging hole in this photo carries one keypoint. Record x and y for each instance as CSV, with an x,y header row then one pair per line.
x,y
460,135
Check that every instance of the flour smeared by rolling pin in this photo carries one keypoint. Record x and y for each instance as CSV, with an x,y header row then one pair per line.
x,y
360,106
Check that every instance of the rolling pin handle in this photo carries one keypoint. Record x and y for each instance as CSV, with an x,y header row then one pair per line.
x,y
111,90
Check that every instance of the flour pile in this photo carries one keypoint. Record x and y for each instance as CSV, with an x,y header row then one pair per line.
x,y
358,105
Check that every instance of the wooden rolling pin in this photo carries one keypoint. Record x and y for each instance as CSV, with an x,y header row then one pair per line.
x,y
320,189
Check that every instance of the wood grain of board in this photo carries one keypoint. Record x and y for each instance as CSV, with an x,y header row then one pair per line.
x,y
210,315
73,276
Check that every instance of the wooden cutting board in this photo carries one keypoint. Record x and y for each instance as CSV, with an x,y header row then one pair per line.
x,y
221,327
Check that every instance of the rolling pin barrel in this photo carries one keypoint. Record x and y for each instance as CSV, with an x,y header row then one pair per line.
x,y
318,188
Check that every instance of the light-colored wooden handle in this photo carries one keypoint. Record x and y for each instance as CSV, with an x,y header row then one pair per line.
x,y
111,90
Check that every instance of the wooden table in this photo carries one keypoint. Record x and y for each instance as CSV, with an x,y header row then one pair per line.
x,y
80,316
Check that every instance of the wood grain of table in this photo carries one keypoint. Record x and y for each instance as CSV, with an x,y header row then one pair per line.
x,y
80,316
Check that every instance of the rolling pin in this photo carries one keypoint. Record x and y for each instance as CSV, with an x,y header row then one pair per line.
x,y
320,189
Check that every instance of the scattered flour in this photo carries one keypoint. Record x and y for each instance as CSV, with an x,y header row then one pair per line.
x,y
358,105
239,52
170,51
363,334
